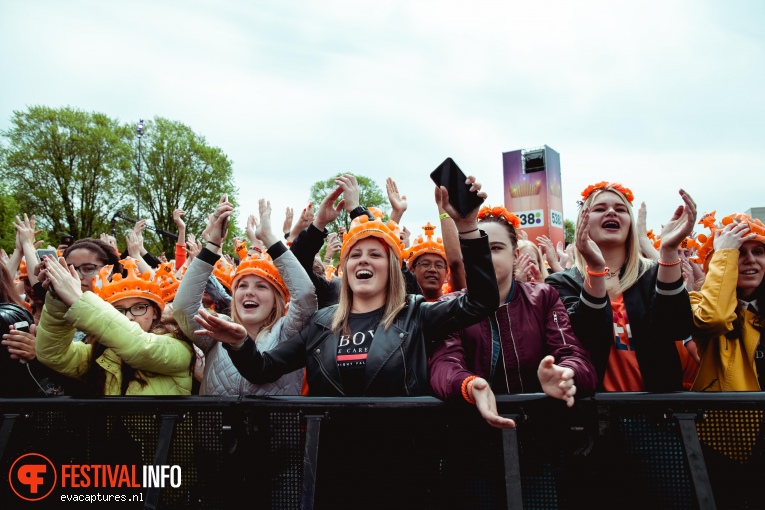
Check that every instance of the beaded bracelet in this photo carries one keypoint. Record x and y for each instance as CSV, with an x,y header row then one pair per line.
x,y
591,273
669,264
468,394
443,216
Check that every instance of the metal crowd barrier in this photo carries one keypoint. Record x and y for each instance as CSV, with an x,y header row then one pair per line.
x,y
614,450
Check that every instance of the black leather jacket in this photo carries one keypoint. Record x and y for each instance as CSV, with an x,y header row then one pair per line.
x,y
397,363
659,314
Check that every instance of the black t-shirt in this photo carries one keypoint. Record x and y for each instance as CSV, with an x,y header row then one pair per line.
x,y
352,350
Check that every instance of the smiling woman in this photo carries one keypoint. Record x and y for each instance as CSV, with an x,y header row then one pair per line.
x,y
627,310
373,342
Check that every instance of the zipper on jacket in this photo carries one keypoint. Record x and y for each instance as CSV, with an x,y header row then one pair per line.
x,y
562,336
326,374
403,358
515,349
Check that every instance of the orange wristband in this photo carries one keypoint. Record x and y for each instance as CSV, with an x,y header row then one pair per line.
x,y
467,388
591,273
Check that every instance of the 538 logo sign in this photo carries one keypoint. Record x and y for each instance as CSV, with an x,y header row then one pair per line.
x,y
556,218
32,477
535,218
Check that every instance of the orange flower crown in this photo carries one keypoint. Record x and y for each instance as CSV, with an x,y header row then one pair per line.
x,y
602,185
224,273
168,283
500,212
261,265
426,245
134,285
362,227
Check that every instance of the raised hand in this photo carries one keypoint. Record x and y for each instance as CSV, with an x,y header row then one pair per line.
x,y
733,236
587,248
351,191
217,223
466,227
557,381
397,201
288,215
328,212
178,220
546,245
264,232
680,225
63,279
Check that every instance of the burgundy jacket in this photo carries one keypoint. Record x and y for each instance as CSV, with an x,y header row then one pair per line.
x,y
533,325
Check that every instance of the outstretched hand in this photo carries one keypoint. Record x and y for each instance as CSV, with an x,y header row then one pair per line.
x,y
556,381
63,279
587,248
486,403
220,330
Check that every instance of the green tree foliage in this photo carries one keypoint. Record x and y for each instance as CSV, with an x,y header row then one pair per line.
x,y
179,170
370,196
8,209
67,167
569,230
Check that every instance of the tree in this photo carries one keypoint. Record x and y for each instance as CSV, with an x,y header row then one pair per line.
x,y
68,167
569,230
370,195
179,170
8,210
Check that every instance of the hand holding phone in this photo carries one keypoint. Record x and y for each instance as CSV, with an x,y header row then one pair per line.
x,y
449,175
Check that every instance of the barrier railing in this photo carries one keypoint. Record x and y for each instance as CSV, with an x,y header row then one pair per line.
x,y
616,450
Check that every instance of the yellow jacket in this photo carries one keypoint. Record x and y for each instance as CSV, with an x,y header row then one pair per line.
x,y
162,361
726,365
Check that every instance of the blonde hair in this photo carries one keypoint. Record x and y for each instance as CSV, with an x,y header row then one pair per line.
x,y
634,264
524,244
394,302
277,311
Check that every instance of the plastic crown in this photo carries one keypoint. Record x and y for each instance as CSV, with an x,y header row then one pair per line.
x,y
262,265
362,227
131,286
224,273
168,283
425,245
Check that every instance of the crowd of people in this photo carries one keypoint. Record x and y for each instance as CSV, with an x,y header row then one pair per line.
x,y
470,309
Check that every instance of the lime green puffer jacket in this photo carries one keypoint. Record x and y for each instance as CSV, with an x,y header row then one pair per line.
x,y
162,361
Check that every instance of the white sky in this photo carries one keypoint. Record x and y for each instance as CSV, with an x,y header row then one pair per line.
x,y
655,94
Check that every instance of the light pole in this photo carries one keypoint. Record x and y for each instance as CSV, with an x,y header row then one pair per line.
x,y
139,132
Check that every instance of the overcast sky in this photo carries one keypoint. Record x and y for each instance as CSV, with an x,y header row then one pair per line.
x,y
657,95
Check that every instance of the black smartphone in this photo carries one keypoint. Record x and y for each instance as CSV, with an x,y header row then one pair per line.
x,y
21,326
449,175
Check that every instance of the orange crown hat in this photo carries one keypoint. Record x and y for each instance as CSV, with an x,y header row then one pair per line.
x,y
168,283
427,245
134,285
223,272
603,185
707,243
23,270
261,265
362,227
500,212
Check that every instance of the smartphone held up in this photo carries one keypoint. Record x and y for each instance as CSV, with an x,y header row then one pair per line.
x,y
449,175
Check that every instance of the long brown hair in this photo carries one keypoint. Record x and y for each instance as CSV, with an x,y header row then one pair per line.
x,y
394,302
8,292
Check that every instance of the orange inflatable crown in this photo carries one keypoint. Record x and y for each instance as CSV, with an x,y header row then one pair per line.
x,y
132,286
168,283
425,245
362,227
224,273
261,265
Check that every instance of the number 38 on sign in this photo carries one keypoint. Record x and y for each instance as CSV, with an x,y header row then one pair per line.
x,y
535,218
